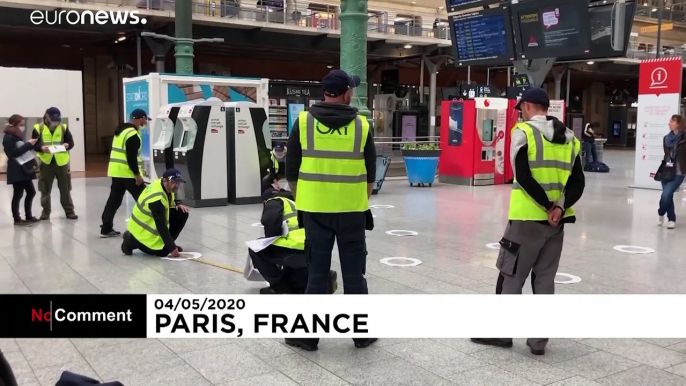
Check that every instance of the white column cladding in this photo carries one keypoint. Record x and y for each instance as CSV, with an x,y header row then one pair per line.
x,y
386,25
427,26
249,10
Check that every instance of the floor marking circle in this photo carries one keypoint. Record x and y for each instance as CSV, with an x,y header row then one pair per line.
x,y
401,233
493,245
381,206
184,256
257,225
413,262
633,249
374,216
572,279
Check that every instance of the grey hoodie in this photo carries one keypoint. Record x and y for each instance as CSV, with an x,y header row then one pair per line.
x,y
552,129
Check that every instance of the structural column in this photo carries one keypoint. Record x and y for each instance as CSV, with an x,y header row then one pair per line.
x,y
354,49
184,34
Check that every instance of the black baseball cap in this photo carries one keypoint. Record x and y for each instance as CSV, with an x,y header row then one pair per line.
x,y
139,114
337,82
269,193
54,114
279,147
535,95
173,175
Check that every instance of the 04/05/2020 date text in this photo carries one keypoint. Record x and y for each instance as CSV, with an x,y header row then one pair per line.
x,y
205,304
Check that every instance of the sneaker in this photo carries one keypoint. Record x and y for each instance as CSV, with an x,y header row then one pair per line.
x,y
660,221
671,225
536,351
365,343
72,216
300,344
126,244
110,233
32,220
333,282
45,216
492,342
22,223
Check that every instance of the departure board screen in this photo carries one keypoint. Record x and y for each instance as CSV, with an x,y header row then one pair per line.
x,y
483,37
459,5
552,29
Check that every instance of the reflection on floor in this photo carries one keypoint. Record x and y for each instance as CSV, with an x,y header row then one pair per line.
x,y
454,225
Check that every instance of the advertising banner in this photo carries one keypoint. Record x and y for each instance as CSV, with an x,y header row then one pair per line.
x,y
659,95
557,109
137,97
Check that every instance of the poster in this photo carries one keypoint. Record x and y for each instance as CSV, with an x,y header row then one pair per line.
x,y
456,110
409,128
137,96
557,110
179,93
294,110
659,95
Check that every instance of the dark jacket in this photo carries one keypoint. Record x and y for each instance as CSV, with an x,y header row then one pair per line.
x,y
71,379
15,171
272,215
66,137
588,135
132,146
334,116
159,214
556,132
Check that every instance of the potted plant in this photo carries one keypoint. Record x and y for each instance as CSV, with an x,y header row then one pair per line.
x,y
421,160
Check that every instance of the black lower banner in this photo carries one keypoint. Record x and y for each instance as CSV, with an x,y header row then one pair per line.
x,y
73,316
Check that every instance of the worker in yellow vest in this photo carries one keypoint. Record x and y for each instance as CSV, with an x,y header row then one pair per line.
x,y
331,168
125,168
282,264
157,218
56,142
549,180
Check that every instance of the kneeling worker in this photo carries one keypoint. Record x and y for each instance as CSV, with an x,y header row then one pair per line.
x,y
283,263
157,219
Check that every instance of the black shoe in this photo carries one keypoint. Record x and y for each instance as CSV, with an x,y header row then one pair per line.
x,y
111,233
536,351
302,345
45,216
32,220
492,342
21,223
126,244
365,343
267,291
333,282
72,216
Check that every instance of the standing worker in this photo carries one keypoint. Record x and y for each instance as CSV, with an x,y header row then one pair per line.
x,y
331,168
157,219
125,168
548,181
52,132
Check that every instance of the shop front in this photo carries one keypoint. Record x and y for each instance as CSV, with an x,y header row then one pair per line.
x,y
286,101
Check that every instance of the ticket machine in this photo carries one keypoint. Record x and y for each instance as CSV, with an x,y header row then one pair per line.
x,y
163,129
473,136
247,152
200,152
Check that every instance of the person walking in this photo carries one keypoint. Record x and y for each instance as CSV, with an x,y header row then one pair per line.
x,y
157,219
21,169
54,164
331,168
549,180
125,168
674,145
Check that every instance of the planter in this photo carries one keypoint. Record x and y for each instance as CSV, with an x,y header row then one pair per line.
x,y
421,166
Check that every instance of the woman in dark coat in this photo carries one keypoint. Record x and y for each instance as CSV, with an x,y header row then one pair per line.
x,y
19,176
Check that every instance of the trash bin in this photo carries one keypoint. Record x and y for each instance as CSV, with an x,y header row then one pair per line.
x,y
421,166
599,146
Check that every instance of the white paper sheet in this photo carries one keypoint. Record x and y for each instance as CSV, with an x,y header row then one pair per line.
x,y
26,157
261,244
57,149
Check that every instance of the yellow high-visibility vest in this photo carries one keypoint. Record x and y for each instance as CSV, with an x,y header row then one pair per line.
x,y
295,239
49,139
119,165
276,164
142,224
332,176
551,165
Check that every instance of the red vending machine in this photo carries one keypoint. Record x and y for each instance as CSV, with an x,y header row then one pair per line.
x,y
473,141
512,119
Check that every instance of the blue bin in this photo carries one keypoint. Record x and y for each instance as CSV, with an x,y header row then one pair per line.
x,y
421,166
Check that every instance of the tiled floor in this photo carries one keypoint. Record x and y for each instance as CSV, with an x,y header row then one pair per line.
x,y
454,225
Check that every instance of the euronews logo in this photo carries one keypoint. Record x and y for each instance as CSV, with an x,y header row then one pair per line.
x,y
73,17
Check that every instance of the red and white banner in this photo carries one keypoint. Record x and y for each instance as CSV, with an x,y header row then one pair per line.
x,y
659,97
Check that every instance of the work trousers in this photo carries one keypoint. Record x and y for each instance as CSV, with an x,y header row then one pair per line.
x,y
117,192
667,198
177,220
19,188
6,375
348,231
284,268
529,247
48,174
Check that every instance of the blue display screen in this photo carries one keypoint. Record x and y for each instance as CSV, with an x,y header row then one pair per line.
x,y
455,5
483,38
